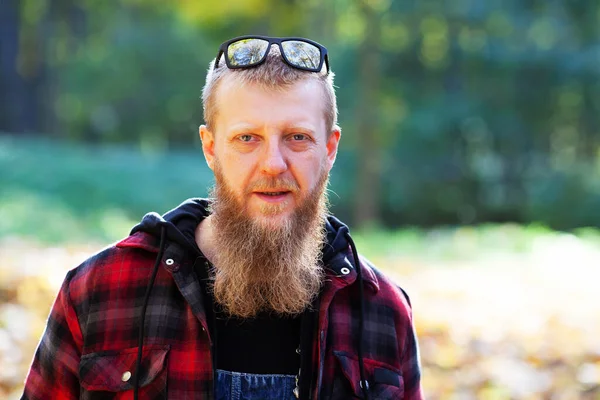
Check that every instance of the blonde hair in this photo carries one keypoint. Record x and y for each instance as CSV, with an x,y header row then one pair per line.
x,y
272,74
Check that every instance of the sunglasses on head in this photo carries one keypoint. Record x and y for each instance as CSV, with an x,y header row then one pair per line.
x,y
251,51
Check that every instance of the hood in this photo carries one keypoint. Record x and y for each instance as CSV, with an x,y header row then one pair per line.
x,y
336,241
180,223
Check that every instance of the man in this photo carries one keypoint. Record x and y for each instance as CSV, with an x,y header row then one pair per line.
x,y
254,294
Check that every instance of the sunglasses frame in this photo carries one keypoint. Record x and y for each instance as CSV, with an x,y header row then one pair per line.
x,y
273,40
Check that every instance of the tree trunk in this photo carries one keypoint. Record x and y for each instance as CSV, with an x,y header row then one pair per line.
x,y
368,197
11,84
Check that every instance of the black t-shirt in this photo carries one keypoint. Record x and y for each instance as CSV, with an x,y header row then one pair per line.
x,y
266,344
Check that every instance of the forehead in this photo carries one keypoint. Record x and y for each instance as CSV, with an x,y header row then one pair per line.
x,y
257,104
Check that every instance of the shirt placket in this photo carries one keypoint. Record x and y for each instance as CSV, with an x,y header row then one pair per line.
x,y
181,268
335,283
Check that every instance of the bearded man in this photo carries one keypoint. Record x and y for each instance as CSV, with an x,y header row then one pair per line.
x,y
255,293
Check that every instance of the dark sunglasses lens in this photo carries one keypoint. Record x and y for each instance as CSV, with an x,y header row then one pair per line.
x,y
302,54
246,52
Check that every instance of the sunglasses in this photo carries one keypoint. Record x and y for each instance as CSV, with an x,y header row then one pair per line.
x,y
251,51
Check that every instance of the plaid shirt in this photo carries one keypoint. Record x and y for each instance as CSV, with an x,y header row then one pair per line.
x,y
89,347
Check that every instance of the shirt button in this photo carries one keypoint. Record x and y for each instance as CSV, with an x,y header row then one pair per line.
x,y
126,376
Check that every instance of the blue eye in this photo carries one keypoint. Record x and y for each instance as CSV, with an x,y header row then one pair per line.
x,y
245,138
299,136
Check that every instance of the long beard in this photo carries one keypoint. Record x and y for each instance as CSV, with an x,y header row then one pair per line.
x,y
267,268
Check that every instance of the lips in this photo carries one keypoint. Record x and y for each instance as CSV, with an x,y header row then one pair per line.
x,y
273,196
273,193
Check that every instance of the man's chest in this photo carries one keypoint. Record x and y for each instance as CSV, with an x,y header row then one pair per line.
x,y
262,345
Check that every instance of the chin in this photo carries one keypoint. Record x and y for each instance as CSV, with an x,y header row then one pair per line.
x,y
272,216
262,209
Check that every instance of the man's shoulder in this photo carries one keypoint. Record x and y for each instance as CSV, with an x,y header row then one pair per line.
x,y
385,289
115,261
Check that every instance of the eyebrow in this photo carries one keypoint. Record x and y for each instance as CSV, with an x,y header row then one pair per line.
x,y
241,128
299,126
245,128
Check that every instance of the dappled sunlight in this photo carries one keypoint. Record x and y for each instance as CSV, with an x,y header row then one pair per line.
x,y
30,277
511,327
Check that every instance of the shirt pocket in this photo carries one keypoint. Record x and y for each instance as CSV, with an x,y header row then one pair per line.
x,y
109,374
384,382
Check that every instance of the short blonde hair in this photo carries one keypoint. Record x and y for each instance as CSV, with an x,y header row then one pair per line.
x,y
273,74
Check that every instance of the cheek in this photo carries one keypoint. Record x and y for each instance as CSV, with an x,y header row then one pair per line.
x,y
236,173
310,173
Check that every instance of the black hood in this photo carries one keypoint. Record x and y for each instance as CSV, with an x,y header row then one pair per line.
x,y
336,238
181,223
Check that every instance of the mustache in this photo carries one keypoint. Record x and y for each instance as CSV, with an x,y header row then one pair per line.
x,y
279,184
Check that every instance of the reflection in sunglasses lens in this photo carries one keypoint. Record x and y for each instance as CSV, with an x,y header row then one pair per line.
x,y
246,52
302,54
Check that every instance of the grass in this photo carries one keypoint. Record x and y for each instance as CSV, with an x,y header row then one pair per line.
x,y
56,192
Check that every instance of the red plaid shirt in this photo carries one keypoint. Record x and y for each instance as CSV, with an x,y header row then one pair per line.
x,y
89,347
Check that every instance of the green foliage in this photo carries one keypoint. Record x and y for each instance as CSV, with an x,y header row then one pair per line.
x,y
58,191
479,112
157,60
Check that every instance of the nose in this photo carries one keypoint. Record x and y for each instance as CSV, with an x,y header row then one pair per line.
x,y
273,162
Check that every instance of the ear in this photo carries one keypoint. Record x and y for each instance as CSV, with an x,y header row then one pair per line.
x,y
208,145
332,145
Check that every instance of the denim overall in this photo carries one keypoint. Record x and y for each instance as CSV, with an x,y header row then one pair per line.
x,y
243,386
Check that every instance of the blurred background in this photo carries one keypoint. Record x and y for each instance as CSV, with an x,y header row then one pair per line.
x,y
469,167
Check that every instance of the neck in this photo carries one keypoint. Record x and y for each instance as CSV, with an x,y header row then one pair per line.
x,y
205,238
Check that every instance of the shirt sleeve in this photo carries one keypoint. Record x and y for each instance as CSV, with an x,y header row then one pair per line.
x,y
411,366
54,371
